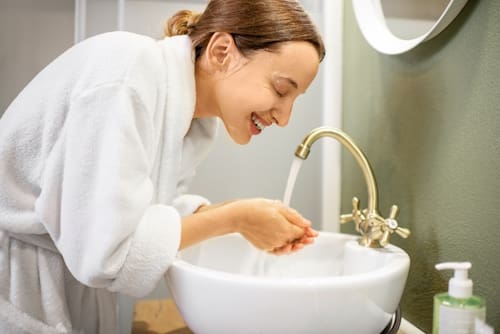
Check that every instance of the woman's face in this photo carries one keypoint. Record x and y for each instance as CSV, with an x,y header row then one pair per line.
x,y
249,94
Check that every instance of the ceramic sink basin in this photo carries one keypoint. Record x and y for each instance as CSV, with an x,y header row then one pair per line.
x,y
225,285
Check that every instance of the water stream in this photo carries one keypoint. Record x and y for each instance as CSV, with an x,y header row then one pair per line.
x,y
263,263
292,176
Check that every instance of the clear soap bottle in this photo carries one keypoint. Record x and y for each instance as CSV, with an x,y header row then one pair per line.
x,y
455,311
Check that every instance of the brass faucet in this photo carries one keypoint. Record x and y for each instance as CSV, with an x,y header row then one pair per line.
x,y
374,229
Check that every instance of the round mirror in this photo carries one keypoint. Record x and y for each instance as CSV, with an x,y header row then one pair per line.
x,y
396,26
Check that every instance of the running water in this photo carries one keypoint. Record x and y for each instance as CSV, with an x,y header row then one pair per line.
x,y
263,264
294,170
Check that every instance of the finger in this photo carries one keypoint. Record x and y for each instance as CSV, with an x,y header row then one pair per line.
x,y
308,236
307,240
276,252
294,217
291,214
286,248
283,249
311,232
297,246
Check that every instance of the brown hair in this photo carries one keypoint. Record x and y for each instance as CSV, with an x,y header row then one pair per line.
x,y
254,24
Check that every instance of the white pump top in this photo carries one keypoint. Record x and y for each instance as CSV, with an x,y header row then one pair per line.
x,y
460,286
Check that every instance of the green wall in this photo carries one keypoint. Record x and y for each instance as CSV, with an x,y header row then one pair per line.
x,y
429,123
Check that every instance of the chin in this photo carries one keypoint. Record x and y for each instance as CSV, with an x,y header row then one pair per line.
x,y
241,141
238,137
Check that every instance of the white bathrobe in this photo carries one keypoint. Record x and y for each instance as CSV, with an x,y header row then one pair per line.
x,y
95,157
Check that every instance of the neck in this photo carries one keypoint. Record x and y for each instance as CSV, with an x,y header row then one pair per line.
x,y
204,106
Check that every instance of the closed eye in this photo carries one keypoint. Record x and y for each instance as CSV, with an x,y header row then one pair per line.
x,y
283,85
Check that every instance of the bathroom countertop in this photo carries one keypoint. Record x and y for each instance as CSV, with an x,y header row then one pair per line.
x,y
158,316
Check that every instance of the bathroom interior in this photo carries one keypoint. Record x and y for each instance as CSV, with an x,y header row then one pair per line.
x,y
425,114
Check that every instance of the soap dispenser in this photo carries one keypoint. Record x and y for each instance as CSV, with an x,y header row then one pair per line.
x,y
455,311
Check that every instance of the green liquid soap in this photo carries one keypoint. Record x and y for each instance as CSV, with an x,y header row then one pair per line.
x,y
455,311
457,315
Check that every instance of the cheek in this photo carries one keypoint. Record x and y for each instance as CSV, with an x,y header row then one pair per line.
x,y
243,98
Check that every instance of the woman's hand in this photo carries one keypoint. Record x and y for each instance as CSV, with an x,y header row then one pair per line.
x,y
269,225
297,245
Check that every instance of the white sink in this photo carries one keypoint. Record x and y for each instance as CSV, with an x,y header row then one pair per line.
x,y
225,285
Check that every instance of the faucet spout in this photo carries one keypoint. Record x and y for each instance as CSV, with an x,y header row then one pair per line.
x,y
305,147
374,229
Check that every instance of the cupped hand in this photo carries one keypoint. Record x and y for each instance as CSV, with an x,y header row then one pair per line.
x,y
270,225
296,245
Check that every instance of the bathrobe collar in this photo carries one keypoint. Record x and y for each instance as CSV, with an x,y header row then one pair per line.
x,y
178,123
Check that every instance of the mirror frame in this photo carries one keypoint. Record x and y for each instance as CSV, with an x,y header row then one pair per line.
x,y
371,21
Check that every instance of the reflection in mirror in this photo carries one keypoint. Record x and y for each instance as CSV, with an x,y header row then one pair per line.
x,y
408,19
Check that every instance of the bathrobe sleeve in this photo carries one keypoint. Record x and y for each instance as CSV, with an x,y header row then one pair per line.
x,y
187,204
96,194
197,143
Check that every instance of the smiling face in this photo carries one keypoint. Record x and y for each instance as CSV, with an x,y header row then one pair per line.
x,y
250,93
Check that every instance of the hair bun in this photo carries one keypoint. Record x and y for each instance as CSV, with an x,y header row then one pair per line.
x,y
182,23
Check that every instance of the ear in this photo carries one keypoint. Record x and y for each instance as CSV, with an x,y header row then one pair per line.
x,y
221,52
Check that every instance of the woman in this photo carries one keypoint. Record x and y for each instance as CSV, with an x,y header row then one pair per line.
x,y
96,154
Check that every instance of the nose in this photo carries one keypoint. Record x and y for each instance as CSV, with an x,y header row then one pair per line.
x,y
281,115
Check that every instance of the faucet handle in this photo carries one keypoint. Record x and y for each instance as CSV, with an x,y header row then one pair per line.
x,y
356,215
393,226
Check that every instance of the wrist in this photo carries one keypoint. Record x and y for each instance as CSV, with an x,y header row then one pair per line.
x,y
220,220
226,218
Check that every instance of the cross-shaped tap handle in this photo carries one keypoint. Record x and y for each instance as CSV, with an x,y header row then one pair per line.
x,y
356,215
392,224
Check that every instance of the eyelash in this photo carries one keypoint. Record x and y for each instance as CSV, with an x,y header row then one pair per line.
x,y
278,93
